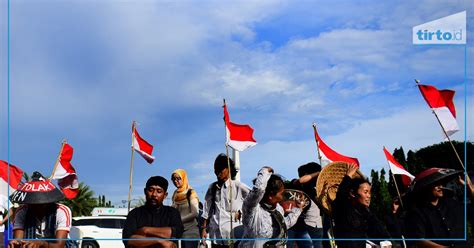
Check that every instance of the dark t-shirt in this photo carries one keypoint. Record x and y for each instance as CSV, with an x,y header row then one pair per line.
x,y
150,216
443,221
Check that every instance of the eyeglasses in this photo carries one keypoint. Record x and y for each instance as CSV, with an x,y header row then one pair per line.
x,y
176,178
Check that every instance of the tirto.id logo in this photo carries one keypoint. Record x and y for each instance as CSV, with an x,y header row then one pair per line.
x,y
447,30
439,35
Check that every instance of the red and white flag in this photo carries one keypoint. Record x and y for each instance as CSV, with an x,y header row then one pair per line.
x,y
142,146
7,182
239,137
328,155
66,174
397,169
441,102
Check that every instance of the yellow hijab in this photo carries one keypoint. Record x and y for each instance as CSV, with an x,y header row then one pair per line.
x,y
180,194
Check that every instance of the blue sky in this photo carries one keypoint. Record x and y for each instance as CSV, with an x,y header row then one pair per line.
x,y
83,70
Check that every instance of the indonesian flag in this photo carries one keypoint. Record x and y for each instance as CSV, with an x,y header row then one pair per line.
x,y
66,174
15,178
141,146
328,155
441,102
397,169
239,137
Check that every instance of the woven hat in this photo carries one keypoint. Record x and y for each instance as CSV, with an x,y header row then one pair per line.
x,y
328,183
37,191
431,177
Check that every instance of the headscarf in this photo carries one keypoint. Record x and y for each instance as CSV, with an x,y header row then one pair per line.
x,y
180,194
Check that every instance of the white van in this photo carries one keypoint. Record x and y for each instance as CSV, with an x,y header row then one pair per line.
x,y
103,231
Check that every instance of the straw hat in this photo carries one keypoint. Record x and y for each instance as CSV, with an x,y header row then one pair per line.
x,y
37,191
328,182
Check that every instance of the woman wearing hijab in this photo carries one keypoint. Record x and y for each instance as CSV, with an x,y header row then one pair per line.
x,y
186,201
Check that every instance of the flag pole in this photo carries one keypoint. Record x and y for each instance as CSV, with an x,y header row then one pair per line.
x,y
332,242
468,180
58,158
317,144
231,242
399,197
131,169
396,185
445,133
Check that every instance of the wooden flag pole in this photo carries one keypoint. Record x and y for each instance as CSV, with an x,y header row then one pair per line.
x,y
399,197
332,242
396,186
58,158
131,170
317,145
231,241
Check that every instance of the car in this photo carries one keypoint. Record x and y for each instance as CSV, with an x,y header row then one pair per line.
x,y
98,231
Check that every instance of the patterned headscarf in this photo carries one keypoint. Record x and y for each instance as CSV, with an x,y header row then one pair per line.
x,y
180,194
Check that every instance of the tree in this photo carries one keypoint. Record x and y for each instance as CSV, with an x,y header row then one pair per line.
x,y
399,155
83,203
381,198
102,202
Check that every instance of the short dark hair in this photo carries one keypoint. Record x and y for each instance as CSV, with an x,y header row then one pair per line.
x,y
157,180
221,163
274,184
308,168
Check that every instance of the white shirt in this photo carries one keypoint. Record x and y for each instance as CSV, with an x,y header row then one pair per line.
x,y
219,221
63,221
257,220
312,217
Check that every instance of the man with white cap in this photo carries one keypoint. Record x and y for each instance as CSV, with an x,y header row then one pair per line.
x,y
40,216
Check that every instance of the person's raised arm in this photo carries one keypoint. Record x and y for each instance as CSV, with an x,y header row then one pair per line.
x,y
258,191
342,193
306,178
469,187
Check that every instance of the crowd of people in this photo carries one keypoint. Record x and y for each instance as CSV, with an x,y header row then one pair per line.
x,y
234,215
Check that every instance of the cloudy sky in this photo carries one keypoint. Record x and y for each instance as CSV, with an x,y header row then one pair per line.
x,y
83,70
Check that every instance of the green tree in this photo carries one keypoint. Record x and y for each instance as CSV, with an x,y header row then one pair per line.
x,y
381,198
83,203
399,155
